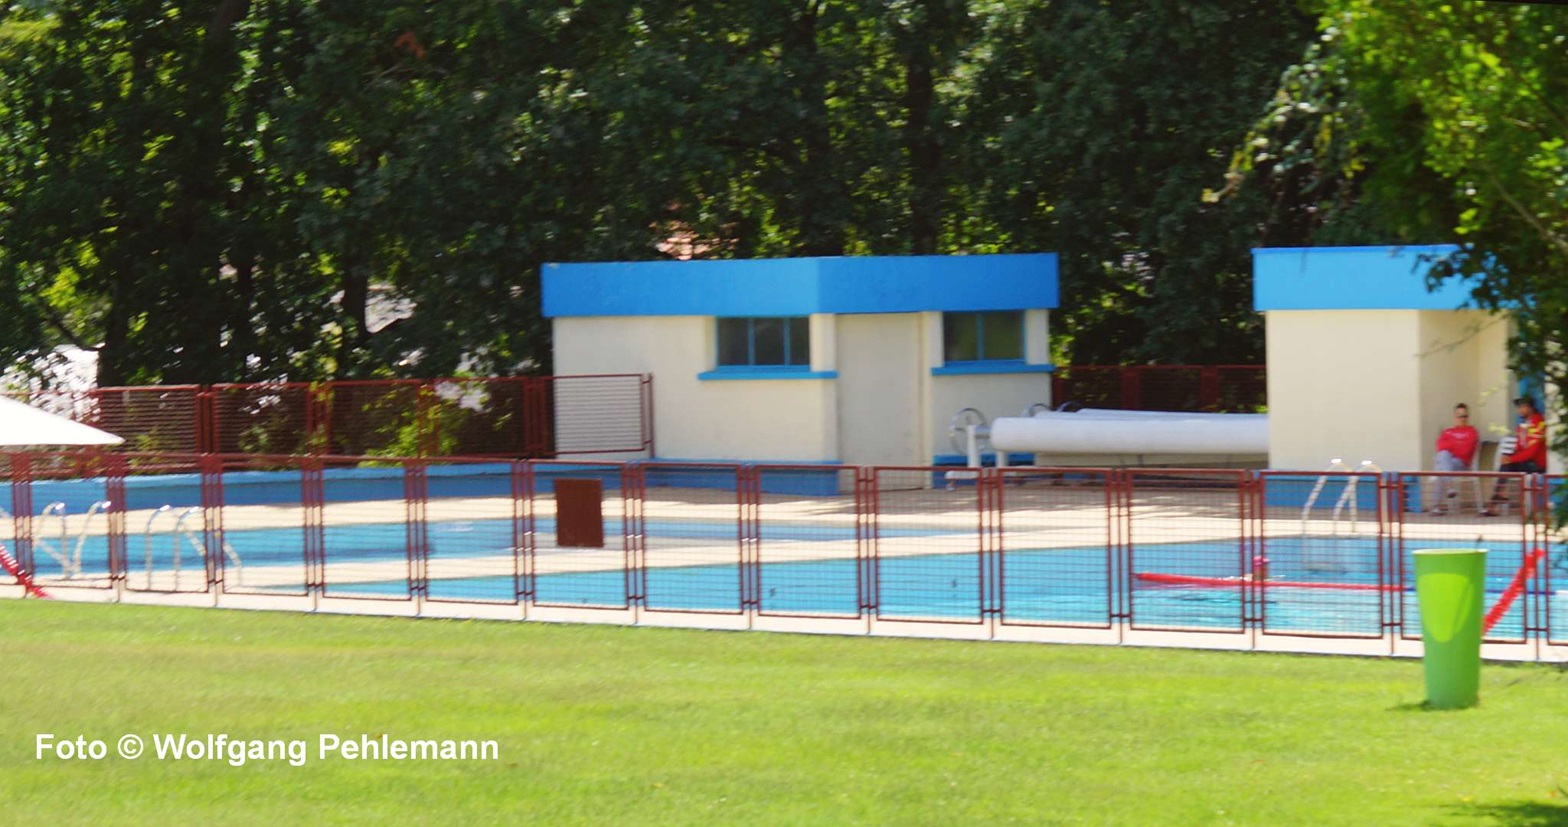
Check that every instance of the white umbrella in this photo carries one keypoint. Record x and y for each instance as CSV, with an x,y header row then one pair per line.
x,y
25,425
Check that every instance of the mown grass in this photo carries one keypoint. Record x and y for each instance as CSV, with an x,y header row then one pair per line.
x,y
609,725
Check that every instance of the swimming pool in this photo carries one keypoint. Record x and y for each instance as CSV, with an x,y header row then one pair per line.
x,y
812,569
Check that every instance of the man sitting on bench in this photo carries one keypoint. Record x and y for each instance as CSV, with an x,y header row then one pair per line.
x,y
1455,451
1529,455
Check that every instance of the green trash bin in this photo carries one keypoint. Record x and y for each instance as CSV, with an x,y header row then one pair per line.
x,y
1450,585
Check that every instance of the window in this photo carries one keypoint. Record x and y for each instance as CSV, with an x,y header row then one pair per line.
x,y
980,337
765,341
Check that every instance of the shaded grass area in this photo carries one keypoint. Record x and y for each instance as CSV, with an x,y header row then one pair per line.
x,y
611,725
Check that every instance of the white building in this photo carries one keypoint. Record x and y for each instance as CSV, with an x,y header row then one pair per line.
x,y
857,360
1366,363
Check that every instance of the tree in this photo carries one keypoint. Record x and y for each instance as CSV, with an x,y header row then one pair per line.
x,y
1449,120
1095,129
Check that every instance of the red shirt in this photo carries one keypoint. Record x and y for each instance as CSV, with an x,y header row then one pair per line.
x,y
1532,441
1460,441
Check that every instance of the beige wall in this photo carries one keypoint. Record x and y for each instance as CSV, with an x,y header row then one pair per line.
x,y
885,407
1344,384
1464,358
782,419
880,388
1381,384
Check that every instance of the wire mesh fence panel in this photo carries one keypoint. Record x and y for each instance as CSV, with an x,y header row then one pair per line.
x,y
151,418
1170,388
1322,565
811,553
1056,547
165,528
374,418
1432,520
598,414
1240,388
692,538
480,417
472,531
264,537
69,520
1236,388
1088,387
1188,549
271,418
584,535
928,562
370,545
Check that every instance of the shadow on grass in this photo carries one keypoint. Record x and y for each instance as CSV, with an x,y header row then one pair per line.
x,y
1516,813
1423,706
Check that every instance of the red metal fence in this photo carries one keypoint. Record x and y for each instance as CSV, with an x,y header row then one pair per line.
x,y
1217,558
526,416
1215,388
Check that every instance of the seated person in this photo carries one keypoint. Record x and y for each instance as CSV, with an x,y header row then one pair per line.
x,y
1529,456
1455,451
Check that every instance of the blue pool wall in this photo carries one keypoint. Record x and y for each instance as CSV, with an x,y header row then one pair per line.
x,y
371,484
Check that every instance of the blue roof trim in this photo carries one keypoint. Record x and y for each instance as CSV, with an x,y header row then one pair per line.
x,y
801,286
994,366
1352,278
751,374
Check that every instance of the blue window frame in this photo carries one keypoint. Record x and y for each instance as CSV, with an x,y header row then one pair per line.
x,y
983,337
765,341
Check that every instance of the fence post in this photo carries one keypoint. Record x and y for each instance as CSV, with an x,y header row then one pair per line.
x,y
1118,485
206,429
1391,560
647,414
748,489
22,509
1132,388
866,507
417,541
429,425
1209,388
523,538
212,519
633,559
114,492
988,497
313,497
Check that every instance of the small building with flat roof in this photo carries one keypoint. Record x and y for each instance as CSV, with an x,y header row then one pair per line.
x,y
1366,363
861,360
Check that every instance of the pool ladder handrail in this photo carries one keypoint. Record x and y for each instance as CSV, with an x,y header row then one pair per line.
x,y
69,565
98,507
62,555
1349,496
189,535
147,540
1334,465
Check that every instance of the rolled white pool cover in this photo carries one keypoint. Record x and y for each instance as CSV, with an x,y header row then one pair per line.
x,y
1133,432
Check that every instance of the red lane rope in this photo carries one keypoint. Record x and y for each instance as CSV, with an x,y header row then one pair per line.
x,y
1190,580
10,564
1515,588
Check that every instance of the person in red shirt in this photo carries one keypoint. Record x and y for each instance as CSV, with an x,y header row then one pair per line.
x,y
1529,455
1455,451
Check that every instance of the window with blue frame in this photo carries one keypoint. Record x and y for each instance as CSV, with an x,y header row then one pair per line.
x,y
983,337
765,341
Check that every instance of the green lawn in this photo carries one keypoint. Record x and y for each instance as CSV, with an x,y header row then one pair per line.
x,y
608,725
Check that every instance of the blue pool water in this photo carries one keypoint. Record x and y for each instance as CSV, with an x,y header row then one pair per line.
x,y
1057,586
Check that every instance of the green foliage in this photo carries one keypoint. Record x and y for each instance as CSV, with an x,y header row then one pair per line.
x,y
1437,123
220,191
